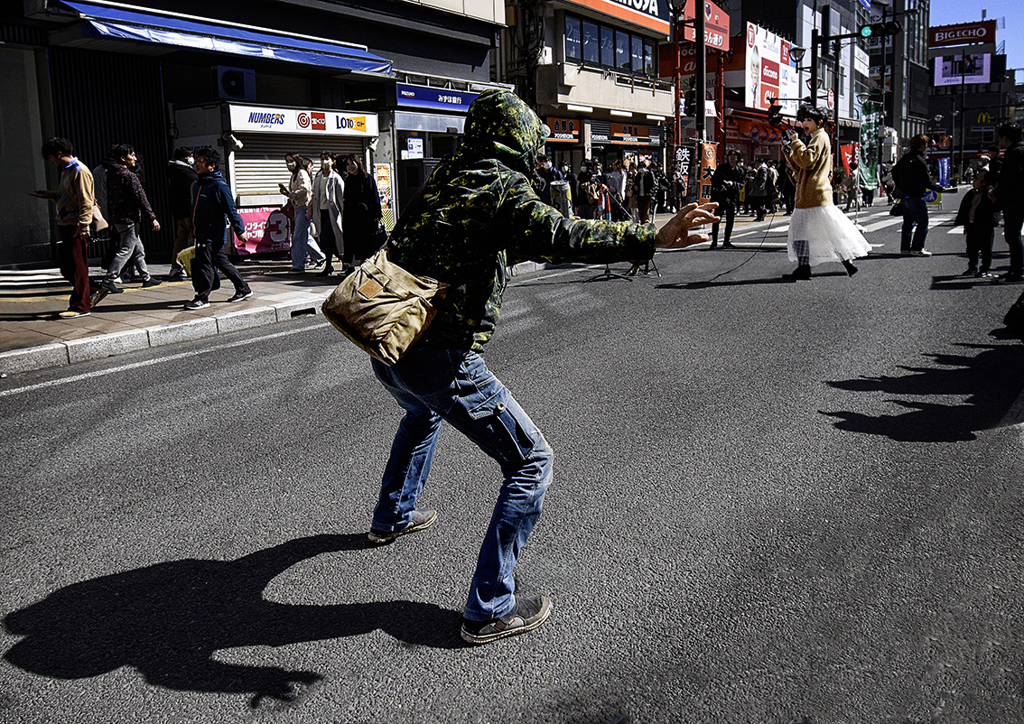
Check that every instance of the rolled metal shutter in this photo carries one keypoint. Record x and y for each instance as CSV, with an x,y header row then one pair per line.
x,y
259,165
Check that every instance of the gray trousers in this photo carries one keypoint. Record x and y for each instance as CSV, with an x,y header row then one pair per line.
x,y
130,249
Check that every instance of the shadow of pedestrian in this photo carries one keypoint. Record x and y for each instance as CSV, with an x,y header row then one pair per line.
x,y
989,382
168,620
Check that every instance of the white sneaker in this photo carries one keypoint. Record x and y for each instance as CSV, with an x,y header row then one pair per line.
x,y
920,252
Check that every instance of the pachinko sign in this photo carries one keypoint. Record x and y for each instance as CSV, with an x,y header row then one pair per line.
x,y
267,229
255,119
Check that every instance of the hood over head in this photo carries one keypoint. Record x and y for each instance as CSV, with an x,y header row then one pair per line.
x,y
500,125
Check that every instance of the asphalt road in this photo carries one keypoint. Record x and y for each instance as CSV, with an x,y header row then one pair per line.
x,y
773,502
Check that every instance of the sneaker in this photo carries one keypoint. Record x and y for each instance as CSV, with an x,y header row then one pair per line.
x,y
971,272
110,286
98,296
241,296
1009,278
72,314
920,252
151,282
196,304
420,519
529,613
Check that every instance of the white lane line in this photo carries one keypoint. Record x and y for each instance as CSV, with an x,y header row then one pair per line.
x,y
146,363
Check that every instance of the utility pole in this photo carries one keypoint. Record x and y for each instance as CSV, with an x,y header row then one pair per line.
x,y
701,70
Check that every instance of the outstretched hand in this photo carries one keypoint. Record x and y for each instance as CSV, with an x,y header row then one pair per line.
x,y
676,233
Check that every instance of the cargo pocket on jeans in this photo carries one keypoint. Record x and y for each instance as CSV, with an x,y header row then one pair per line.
x,y
507,433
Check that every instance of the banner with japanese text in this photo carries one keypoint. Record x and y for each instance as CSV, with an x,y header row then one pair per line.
x,y
708,153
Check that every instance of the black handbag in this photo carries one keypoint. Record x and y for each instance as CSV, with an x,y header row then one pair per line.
x,y
897,208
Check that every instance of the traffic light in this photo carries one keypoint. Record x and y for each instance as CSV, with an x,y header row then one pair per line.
x,y
880,30
774,114
690,102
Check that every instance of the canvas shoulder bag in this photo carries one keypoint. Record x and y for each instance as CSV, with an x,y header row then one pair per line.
x,y
382,308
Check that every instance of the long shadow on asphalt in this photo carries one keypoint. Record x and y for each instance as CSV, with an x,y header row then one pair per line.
x,y
168,620
989,381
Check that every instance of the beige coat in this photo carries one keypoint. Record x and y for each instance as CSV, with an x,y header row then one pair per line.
x,y
811,170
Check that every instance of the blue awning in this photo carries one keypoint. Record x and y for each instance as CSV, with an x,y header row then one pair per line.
x,y
116,22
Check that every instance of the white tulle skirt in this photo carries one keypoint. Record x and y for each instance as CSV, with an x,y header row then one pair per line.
x,y
829,235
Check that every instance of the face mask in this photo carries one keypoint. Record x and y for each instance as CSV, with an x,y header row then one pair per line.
x,y
292,165
565,168
326,165
547,165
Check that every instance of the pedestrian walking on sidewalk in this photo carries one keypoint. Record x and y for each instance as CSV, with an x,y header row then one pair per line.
x,y
328,200
127,208
213,208
818,232
726,183
478,212
298,191
181,174
361,216
74,200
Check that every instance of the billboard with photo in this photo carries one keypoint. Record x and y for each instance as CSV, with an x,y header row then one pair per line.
x,y
769,71
967,68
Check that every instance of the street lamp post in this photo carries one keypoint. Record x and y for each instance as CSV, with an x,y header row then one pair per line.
x,y
676,10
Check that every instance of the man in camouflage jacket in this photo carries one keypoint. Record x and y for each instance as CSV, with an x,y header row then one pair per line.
x,y
478,213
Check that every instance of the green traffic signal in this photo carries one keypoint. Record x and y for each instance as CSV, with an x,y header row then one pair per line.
x,y
881,29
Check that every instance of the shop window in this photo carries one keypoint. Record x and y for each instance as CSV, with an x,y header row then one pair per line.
x,y
622,50
591,44
607,47
573,45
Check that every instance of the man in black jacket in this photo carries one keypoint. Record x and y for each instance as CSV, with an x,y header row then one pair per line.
x,y
725,190
913,181
1009,195
181,174
212,206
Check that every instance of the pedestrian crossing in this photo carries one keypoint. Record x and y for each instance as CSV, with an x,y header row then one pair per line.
x,y
869,220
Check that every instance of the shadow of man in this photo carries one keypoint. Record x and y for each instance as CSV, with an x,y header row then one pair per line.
x,y
167,620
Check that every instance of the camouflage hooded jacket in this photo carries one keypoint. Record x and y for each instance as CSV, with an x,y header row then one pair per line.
x,y
479,212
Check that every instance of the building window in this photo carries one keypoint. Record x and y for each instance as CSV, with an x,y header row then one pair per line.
x,y
573,46
622,50
591,44
604,46
607,47
637,53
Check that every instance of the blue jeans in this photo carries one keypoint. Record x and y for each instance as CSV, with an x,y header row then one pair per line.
x,y
432,385
915,212
301,243
1013,220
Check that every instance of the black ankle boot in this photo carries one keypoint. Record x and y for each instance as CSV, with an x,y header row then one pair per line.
x,y
850,268
801,272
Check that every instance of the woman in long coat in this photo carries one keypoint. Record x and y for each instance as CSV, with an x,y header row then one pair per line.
x,y
818,231
361,214
327,201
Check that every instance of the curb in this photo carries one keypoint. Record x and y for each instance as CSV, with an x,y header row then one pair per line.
x,y
58,354
98,346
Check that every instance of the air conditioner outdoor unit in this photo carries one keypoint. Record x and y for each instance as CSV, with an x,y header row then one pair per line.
x,y
235,84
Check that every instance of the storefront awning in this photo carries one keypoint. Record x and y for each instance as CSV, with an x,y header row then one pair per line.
x,y
105,21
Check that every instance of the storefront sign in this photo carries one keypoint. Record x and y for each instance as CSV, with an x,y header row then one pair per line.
x,y
650,14
716,25
630,134
417,96
382,175
256,119
708,164
564,130
964,34
267,229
